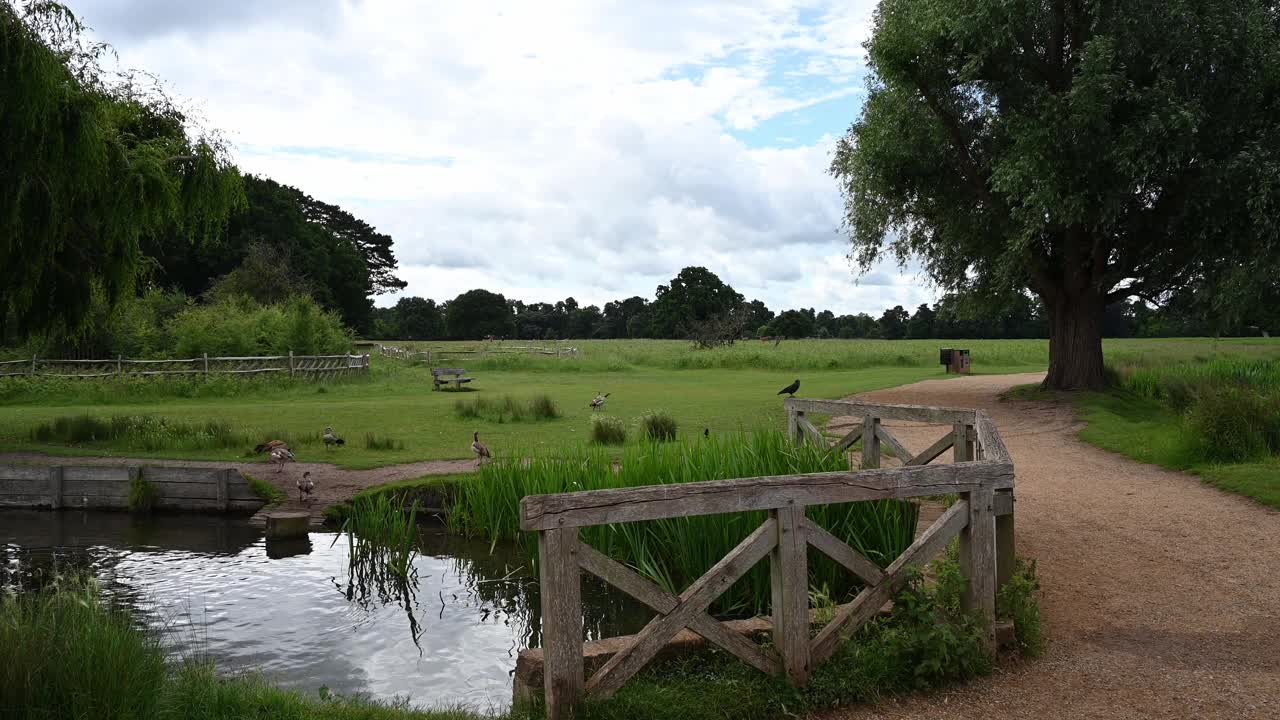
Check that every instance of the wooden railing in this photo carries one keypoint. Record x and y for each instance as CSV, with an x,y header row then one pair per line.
x,y
982,475
430,355
311,367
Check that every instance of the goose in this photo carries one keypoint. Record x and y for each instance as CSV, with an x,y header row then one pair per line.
x,y
270,445
280,456
598,402
790,389
480,449
330,439
305,485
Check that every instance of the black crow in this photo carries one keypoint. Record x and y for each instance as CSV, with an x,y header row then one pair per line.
x,y
790,389
706,432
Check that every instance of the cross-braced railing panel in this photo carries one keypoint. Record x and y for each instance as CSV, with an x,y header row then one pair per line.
x,y
981,474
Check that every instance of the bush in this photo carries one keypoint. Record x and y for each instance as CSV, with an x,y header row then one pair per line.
x,y
606,430
1017,601
141,432
658,427
508,409
238,326
1231,424
373,442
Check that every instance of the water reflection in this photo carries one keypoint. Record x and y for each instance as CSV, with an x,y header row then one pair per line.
x,y
304,613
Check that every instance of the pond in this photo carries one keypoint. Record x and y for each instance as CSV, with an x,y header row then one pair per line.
x,y
300,613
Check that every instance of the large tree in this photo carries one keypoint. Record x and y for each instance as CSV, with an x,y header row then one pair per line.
x,y
694,295
477,313
91,164
1088,151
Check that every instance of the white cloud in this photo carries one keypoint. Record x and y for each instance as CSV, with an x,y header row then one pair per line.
x,y
541,150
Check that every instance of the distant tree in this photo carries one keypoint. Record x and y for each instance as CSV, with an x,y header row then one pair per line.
x,y
1088,152
477,313
265,275
921,323
419,319
757,314
793,324
694,295
893,323
618,315
825,322
90,166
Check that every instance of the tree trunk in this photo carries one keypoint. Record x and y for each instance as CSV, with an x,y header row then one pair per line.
x,y
1075,341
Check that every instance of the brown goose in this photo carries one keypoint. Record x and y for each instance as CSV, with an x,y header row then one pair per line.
x,y
305,485
480,449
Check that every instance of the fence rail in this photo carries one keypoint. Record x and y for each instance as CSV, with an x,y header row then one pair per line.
x,y
311,367
442,354
981,474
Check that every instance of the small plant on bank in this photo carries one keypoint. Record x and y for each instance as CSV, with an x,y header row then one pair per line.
x,y
607,430
1017,601
142,495
373,442
508,409
658,427
265,491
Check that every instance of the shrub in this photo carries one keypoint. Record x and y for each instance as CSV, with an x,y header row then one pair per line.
x,y
142,495
1017,601
142,432
1230,424
239,326
265,491
658,427
607,430
508,409
373,442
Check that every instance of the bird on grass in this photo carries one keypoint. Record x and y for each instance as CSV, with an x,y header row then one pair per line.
x,y
330,439
480,449
270,445
598,402
790,389
280,456
706,433
305,486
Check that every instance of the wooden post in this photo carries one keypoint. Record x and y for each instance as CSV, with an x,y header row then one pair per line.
x,y
224,481
870,442
561,591
290,363
1005,554
789,579
978,560
206,364
55,487
119,365
33,366
793,425
964,434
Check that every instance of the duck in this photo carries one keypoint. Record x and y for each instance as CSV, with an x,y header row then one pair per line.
x,y
280,456
270,445
330,439
480,449
598,402
305,485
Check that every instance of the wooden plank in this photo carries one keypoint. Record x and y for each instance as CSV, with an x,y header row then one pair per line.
x,y
561,591
848,440
868,602
75,487
1005,550
870,442
836,549
654,502
55,487
32,500
810,433
95,473
630,582
961,444
789,581
175,491
989,440
913,413
793,426
1003,502
935,450
978,560
176,475
693,601
23,472
899,450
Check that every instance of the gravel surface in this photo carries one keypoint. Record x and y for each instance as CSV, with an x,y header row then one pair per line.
x,y
1161,594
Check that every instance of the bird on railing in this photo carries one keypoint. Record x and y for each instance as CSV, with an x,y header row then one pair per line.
x,y
598,402
280,456
270,445
480,449
790,389
305,486
330,439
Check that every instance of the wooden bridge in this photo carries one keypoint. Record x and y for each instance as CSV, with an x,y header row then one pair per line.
x,y
981,474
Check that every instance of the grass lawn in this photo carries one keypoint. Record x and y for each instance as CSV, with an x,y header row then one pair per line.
x,y
1149,432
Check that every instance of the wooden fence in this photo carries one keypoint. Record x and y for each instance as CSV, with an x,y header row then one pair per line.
x,y
982,475
447,354
311,367
107,487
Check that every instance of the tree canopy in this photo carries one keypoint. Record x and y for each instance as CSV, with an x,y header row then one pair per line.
x,y
90,165
1089,152
694,295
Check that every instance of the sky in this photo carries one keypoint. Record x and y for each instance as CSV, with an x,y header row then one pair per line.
x,y
587,149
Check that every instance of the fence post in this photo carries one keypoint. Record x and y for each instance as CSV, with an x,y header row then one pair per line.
x,y
1005,553
963,450
290,363
206,364
55,487
224,494
119,365
793,424
560,586
33,366
978,560
789,583
870,442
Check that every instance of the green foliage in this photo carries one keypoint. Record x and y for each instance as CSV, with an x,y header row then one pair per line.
x,y
372,441
240,327
142,495
608,430
92,165
658,427
265,491
489,506
1018,601
478,313
381,535
1234,425
143,432
508,409
1092,153
693,296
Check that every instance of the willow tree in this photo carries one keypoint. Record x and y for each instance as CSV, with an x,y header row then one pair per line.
x,y
1085,151
90,163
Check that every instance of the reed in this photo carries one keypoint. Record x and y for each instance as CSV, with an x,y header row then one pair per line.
x,y
607,430
489,507
508,409
658,427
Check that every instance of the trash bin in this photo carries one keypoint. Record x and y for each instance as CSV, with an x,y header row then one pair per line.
x,y
955,360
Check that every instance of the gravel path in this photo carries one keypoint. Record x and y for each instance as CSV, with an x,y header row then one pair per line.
x,y
1161,594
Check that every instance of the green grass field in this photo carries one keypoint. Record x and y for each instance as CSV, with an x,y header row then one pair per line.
x,y
723,389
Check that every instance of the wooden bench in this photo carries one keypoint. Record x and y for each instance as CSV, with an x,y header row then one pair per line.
x,y
444,376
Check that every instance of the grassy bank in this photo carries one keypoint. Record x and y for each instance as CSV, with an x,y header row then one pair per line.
x,y
1218,419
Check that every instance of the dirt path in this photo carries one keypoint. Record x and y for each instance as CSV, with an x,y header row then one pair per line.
x,y
333,484
1161,594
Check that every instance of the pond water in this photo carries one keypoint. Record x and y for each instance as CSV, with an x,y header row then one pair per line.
x,y
301,613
